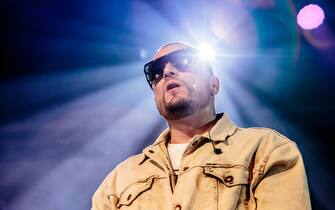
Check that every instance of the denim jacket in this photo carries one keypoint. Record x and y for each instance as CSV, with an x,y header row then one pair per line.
x,y
255,168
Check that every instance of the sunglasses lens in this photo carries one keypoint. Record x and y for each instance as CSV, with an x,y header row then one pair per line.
x,y
153,71
181,60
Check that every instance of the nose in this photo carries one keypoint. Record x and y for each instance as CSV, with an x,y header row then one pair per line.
x,y
170,71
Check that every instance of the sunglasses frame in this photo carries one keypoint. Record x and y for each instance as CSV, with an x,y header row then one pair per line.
x,y
164,60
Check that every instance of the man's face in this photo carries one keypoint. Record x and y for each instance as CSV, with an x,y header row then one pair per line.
x,y
181,93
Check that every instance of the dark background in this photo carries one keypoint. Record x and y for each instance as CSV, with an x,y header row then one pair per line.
x,y
74,101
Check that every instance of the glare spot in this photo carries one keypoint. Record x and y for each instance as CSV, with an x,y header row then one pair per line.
x,y
310,17
207,51
194,86
143,53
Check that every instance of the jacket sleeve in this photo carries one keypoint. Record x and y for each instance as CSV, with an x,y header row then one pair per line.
x,y
283,181
103,199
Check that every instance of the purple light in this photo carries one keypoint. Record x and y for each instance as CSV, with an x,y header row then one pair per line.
x,y
310,17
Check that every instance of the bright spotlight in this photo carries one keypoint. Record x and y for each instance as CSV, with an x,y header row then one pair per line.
x,y
310,17
207,52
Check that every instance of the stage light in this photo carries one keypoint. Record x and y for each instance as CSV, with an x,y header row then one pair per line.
x,y
310,17
207,51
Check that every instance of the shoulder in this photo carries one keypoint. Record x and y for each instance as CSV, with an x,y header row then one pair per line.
x,y
265,137
123,175
126,173
272,149
130,163
126,170
266,144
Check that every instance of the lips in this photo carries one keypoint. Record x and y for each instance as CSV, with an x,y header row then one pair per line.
x,y
171,85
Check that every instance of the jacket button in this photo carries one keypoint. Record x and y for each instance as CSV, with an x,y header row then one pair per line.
x,y
229,179
151,151
178,207
129,196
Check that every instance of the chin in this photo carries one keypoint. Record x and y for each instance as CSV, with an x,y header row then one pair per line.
x,y
177,110
177,103
177,115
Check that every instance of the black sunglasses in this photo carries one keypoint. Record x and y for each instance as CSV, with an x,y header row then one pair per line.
x,y
181,59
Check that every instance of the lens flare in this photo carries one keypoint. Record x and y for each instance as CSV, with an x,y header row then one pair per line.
x,y
207,51
310,17
143,53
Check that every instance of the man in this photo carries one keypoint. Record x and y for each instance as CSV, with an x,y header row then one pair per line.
x,y
203,160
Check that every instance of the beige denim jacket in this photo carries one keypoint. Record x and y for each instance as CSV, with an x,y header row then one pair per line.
x,y
257,169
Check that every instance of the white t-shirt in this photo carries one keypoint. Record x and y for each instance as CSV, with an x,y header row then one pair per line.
x,y
176,152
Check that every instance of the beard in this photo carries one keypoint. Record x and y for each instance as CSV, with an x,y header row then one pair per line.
x,y
177,108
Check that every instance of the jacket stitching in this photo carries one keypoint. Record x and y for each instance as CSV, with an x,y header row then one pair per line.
x,y
266,159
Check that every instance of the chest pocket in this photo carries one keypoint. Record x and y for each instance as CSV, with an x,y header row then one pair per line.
x,y
231,182
229,176
133,192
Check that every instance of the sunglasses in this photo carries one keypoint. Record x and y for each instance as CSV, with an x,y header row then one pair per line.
x,y
181,59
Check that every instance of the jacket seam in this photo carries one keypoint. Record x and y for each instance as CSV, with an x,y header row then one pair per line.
x,y
267,157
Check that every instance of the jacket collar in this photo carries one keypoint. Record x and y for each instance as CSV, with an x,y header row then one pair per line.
x,y
223,129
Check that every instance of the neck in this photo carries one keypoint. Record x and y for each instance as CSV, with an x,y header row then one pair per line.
x,y
183,130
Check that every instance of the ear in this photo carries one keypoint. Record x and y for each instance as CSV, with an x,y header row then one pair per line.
x,y
215,85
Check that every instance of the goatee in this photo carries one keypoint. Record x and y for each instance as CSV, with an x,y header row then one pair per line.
x,y
178,110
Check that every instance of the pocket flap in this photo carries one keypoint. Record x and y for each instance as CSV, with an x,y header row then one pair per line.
x,y
230,176
133,191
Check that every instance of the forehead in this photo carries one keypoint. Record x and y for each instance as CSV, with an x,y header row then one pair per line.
x,y
168,49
